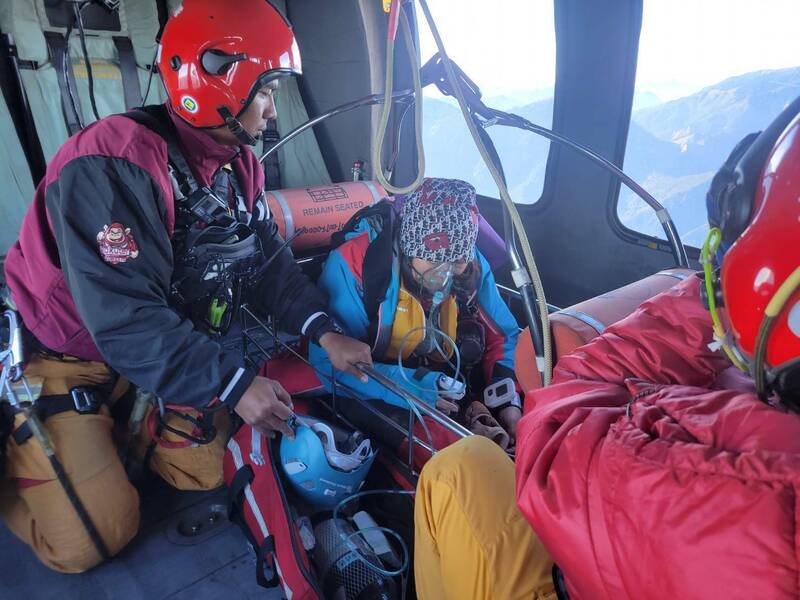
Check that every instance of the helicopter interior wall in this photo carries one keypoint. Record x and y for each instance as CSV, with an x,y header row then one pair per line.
x,y
581,250
336,53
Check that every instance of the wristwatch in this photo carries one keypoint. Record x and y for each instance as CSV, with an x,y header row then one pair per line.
x,y
322,325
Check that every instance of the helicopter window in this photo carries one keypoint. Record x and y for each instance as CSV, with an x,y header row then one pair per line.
x,y
511,58
732,68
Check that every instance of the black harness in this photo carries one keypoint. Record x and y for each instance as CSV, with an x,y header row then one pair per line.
x,y
216,251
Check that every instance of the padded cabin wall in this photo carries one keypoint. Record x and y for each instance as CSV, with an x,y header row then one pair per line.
x,y
16,184
336,69
301,162
27,20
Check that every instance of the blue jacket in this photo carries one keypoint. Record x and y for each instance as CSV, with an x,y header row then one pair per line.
x,y
342,280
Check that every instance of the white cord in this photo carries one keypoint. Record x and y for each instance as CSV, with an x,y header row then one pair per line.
x,y
504,195
380,134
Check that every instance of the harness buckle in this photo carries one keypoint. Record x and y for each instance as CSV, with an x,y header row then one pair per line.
x,y
84,401
206,206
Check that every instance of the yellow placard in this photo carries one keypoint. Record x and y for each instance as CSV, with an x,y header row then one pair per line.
x,y
387,6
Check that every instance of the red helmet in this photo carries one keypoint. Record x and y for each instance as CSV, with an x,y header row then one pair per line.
x,y
760,272
216,54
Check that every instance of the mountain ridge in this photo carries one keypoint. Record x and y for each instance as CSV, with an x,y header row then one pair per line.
x,y
673,148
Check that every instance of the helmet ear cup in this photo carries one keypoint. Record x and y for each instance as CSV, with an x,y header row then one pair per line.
x,y
731,197
735,209
727,202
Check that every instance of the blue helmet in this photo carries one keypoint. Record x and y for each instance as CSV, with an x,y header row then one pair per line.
x,y
324,463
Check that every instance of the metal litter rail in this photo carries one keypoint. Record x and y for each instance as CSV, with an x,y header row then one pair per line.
x,y
442,419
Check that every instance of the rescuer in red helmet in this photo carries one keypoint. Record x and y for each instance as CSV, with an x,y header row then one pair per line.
x,y
652,468
147,233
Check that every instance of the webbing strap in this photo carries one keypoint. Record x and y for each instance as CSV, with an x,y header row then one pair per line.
x,y
265,557
583,318
80,509
241,479
241,206
266,549
70,102
157,119
130,75
272,168
226,181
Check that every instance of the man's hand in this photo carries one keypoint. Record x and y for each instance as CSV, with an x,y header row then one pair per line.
x,y
266,406
345,352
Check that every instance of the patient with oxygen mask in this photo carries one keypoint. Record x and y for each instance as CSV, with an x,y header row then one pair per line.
x,y
413,285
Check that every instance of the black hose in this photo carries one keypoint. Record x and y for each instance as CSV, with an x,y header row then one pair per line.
x,y
89,75
150,77
509,235
511,120
65,71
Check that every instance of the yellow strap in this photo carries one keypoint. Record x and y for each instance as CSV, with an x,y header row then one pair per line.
x,y
783,294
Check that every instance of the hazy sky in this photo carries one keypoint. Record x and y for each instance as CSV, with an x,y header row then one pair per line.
x,y
509,45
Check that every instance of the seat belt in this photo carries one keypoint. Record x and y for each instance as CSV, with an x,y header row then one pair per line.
x,y
70,101
130,75
272,167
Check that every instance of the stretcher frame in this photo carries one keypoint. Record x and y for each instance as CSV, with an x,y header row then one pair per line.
x,y
267,325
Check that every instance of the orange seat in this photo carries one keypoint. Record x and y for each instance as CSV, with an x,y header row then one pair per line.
x,y
577,325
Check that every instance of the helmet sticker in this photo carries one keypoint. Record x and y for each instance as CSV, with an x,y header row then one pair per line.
x,y
189,103
794,319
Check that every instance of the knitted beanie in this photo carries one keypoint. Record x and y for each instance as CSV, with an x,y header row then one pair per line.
x,y
439,221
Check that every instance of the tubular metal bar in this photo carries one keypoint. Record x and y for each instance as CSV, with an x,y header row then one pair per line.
x,y
400,95
441,419
515,295
388,421
508,120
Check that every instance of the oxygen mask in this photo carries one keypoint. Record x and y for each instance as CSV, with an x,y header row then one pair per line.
x,y
436,281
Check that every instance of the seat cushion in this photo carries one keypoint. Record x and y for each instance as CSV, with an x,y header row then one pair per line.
x,y
577,325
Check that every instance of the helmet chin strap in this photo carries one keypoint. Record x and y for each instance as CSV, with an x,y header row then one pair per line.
x,y
235,126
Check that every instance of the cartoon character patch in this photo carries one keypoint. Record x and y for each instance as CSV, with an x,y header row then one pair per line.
x,y
117,244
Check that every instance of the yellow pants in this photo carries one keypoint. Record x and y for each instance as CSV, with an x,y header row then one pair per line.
x,y
32,501
182,465
470,539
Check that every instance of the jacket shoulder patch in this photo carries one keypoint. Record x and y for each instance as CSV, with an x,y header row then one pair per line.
x,y
116,244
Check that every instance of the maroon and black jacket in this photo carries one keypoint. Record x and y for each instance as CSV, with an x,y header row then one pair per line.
x,y
82,297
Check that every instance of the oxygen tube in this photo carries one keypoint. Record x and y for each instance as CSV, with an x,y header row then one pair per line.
x,y
347,538
524,274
